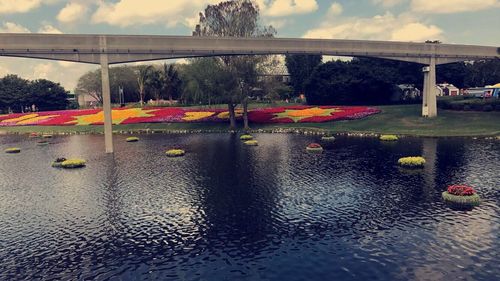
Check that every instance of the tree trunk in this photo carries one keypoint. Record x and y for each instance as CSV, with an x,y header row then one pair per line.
x,y
245,114
232,116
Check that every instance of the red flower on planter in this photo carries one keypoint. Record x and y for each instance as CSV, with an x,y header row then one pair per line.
x,y
314,145
461,190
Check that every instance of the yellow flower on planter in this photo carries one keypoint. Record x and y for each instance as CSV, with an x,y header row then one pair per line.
x,y
196,115
225,114
118,116
298,114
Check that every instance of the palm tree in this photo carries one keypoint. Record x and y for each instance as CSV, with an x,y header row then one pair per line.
x,y
170,81
142,80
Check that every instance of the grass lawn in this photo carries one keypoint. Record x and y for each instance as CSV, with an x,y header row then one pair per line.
x,y
396,119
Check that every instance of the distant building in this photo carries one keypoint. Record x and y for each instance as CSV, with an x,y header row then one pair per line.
x,y
406,92
446,89
87,100
484,92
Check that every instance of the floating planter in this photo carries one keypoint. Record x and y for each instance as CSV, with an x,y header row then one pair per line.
x,y
73,163
47,136
34,135
388,138
327,138
42,142
251,142
314,147
132,139
58,162
175,152
461,195
246,137
412,162
13,150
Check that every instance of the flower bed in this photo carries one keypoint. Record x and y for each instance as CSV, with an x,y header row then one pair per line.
x,y
246,137
327,138
461,194
314,147
308,114
388,138
291,114
13,150
251,142
73,163
132,139
175,152
412,162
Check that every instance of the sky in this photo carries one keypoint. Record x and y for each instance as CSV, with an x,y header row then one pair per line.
x,y
475,22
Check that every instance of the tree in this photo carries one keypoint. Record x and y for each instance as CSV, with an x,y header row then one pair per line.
x,y
14,93
348,83
238,18
171,83
300,68
90,84
142,80
47,95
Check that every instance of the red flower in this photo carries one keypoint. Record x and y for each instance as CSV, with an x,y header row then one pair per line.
x,y
314,145
461,190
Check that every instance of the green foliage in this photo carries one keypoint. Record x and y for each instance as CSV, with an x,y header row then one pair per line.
x,y
246,137
17,93
469,103
251,142
473,200
13,93
47,95
348,83
300,68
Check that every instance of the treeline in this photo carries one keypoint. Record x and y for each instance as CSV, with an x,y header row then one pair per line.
x,y
373,80
20,95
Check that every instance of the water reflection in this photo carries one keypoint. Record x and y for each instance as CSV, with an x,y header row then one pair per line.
x,y
229,211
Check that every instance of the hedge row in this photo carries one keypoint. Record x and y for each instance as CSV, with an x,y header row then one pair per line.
x,y
470,104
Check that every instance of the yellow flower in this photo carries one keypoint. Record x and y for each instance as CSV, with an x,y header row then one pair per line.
x,y
414,161
225,114
196,115
118,116
298,114
20,118
35,119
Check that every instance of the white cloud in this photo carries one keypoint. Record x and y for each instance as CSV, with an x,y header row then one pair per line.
x,y
381,27
21,6
135,12
72,12
11,27
280,8
388,3
49,29
416,31
452,6
335,9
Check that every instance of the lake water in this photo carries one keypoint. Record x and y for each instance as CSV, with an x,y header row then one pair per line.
x,y
226,211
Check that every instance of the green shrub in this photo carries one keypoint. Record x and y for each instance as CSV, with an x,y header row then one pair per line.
x,y
388,138
175,152
13,150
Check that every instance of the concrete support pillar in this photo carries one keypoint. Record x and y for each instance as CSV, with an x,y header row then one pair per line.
x,y
429,103
106,98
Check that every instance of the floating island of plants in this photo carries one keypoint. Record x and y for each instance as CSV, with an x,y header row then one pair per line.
x,y
461,195
412,162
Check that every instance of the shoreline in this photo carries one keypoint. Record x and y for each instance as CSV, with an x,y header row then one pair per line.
x,y
97,130
401,120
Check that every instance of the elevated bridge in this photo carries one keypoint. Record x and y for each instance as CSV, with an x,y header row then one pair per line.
x,y
114,49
